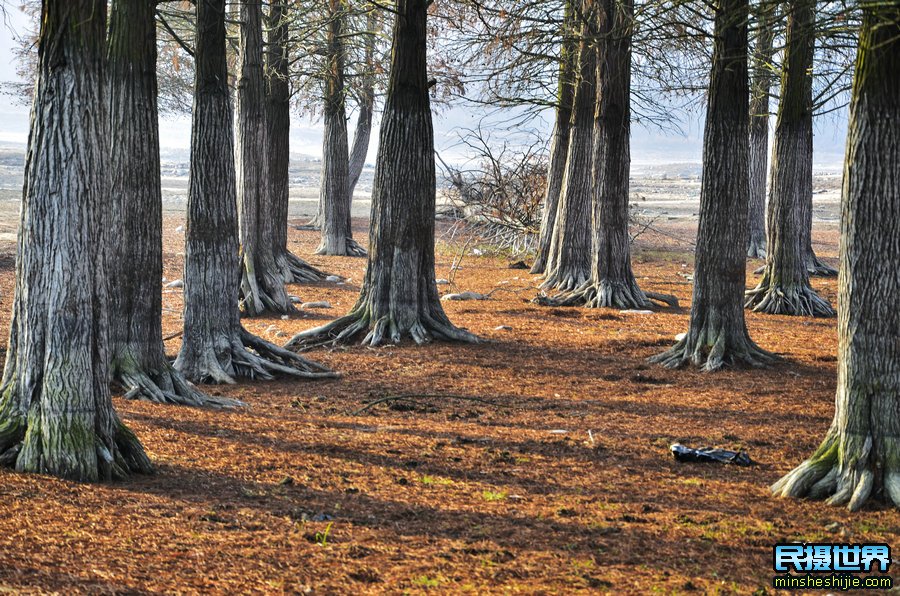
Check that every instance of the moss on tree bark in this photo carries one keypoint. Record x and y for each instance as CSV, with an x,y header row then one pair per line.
x,y
56,414
860,456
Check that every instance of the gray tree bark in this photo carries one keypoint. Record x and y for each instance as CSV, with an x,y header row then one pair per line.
x,y
293,269
56,414
334,196
717,335
760,87
784,288
363,135
215,348
860,456
559,142
399,296
138,358
568,263
612,283
814,265
364,124
262,283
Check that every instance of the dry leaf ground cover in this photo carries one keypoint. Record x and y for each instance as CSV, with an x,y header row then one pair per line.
x,y
468,491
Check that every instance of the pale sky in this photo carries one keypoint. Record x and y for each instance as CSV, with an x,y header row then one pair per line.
x,y
649,146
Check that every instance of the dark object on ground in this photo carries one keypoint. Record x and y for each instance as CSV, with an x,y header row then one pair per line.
x,y
518,265
706,455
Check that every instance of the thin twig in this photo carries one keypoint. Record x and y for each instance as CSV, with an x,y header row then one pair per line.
x,y
174,335
411,398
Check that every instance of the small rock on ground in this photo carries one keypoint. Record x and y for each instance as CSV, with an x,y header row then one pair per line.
x,y
465,296
323,304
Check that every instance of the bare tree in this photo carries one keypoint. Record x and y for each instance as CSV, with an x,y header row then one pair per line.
x,y
399,295
335,198
760,87
338,70
568,260
262,284
365,101
718,335
559,143
497,199
135,214
860,456
56,415
215,347
292,268
784,288
612,283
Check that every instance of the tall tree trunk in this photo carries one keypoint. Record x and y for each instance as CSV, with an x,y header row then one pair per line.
x,y
568,263
784,288
559,142
399,297
138,358
760,86
215,348
262,285
612,283
361,139
56,415
860,456
717,335
363,134
293,269
337,234
814,265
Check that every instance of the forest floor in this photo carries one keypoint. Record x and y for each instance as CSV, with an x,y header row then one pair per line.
x,y
541,467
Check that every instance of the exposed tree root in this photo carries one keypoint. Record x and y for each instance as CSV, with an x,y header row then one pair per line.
x,y
12,433
263,293
713,347
27,448
128,458
295,270
378,331
166,386
757,250
565,279
819,268
250,357
352,248
315,223
607,294
540,263
843,472
795,300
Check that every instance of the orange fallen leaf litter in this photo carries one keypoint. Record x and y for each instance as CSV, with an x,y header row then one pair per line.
x,y
295,494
